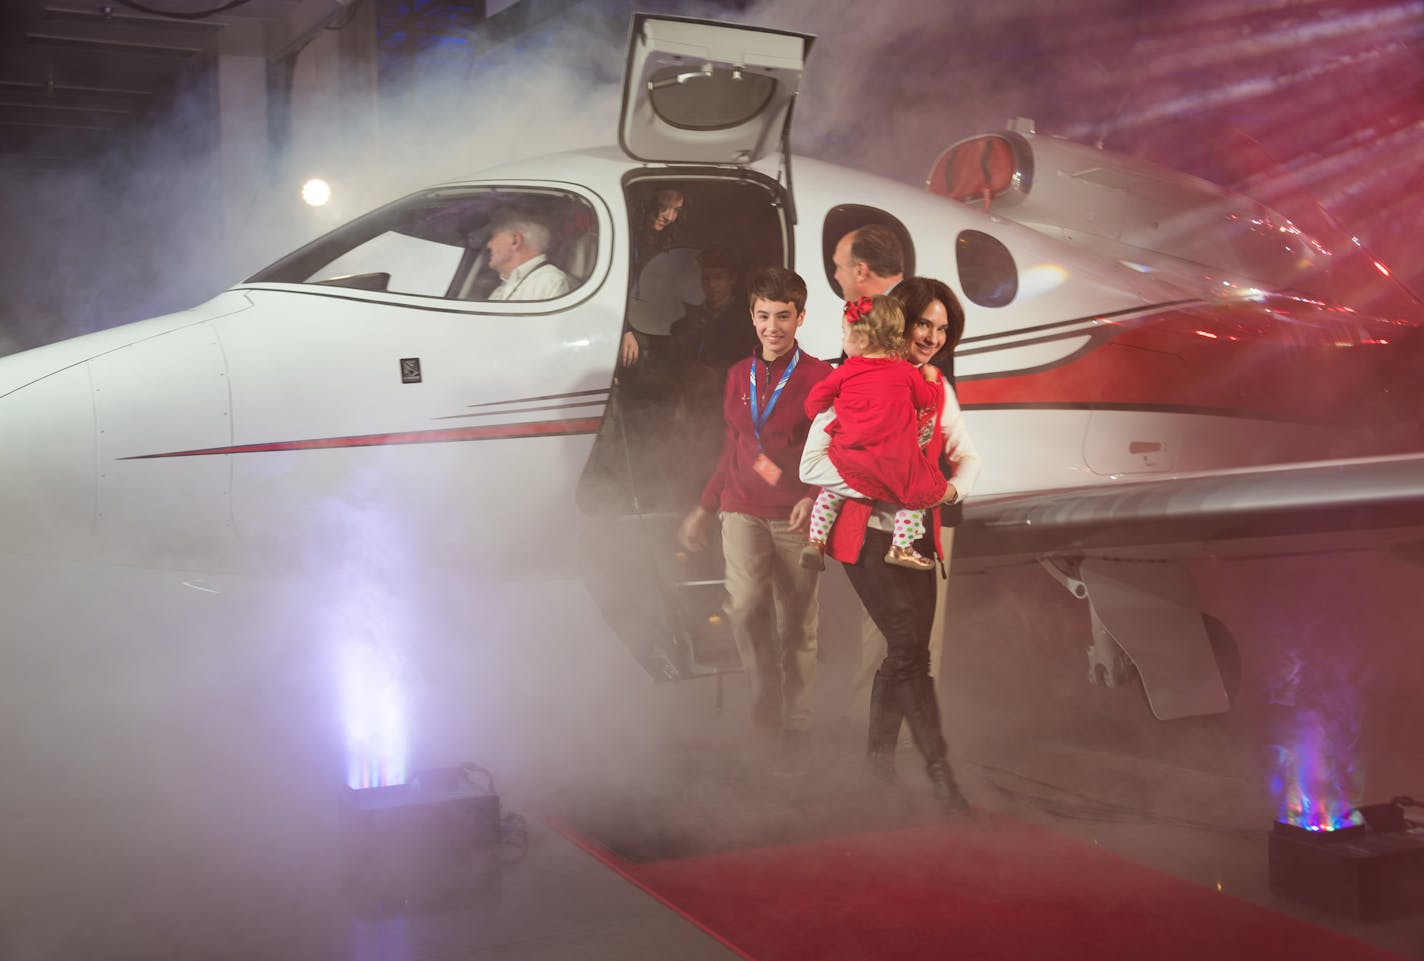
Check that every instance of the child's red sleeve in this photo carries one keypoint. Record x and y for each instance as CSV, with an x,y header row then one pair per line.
x,y
823,394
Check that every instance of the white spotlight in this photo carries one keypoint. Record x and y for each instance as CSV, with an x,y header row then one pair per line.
x,y
316,192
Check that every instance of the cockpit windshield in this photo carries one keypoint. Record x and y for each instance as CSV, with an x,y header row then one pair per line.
x,y
458,243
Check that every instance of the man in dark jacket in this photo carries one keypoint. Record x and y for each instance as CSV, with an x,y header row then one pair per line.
x,y
717,332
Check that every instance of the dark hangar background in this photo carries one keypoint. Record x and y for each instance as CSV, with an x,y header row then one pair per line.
x,y
127,189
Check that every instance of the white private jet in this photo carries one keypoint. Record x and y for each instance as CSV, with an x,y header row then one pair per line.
x,y
1154,370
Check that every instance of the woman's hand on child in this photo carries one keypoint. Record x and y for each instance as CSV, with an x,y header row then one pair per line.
x,y
930,372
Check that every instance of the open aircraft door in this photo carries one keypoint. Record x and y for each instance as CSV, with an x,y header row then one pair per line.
x,y
709,93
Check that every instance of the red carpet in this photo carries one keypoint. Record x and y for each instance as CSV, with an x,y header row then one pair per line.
x,y
997,889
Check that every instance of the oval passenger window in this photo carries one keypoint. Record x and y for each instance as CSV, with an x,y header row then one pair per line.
x,y
987,272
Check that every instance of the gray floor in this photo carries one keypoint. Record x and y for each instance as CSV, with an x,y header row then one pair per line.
x,y
173,794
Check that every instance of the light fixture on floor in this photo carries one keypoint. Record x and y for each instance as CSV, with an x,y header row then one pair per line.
x,y
419,842
1371,869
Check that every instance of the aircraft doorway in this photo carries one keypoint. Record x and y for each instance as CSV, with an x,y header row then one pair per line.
x,y
694,242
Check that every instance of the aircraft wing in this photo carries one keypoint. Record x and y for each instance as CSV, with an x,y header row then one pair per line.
x,y
1123,548
1261,511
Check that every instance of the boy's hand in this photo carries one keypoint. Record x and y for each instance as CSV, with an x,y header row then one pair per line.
x,y
800,519
692,534
930,372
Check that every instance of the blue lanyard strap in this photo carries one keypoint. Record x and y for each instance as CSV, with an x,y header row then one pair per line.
x,y
760,417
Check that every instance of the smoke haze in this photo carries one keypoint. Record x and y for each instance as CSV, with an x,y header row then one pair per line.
x,y
180,722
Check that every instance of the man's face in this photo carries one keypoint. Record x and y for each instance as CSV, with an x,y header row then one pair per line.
x,y
503,251
776,322
850,275
717,285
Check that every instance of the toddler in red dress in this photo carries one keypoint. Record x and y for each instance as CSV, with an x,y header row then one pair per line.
x,y
881,402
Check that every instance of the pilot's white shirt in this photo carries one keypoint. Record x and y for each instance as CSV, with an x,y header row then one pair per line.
x,y
535,279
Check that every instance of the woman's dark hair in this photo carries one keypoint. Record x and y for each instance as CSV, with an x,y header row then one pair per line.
x,y
652,241
655,204
915,294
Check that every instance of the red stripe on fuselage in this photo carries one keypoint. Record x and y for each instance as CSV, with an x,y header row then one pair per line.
x,y
1281,360
545,428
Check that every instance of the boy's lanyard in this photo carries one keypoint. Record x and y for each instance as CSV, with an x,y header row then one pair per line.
x,y
759,418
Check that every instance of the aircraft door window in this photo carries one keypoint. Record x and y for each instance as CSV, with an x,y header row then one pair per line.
x,y
708,98
466,243
988,274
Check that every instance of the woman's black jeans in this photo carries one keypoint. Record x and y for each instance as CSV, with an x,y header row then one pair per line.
x,y
900,601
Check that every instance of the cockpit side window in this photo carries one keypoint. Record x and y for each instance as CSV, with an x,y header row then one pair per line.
x,y
462,243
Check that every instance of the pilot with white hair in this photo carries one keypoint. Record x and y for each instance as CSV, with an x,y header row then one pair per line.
x,y
517,252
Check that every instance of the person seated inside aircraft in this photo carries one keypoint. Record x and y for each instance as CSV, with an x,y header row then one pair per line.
x,y
518,247
875,443
671,396
704,344
716,333
707,339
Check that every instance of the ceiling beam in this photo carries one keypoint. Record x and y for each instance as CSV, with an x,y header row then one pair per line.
x,y
73,98
16,113
78,142
147,35
108,45
64,66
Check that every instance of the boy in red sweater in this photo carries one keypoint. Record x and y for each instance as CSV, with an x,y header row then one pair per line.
x,y
765,510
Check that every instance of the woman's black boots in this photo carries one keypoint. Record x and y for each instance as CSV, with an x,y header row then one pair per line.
x,y
921,708
885,716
